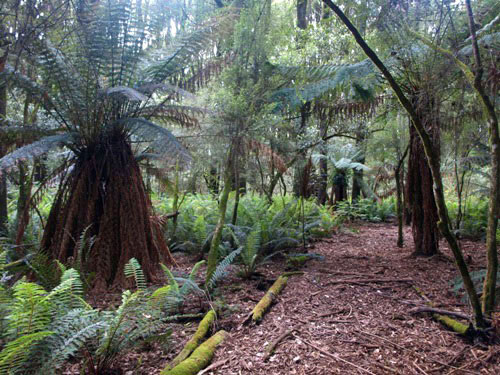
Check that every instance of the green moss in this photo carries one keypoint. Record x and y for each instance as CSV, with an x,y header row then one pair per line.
x,y
453,324
297,262
200,358
194,342
261,308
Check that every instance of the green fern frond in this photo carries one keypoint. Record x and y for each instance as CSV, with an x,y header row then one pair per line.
x,y
170,279
16,352
30,310
221,270
164,143
195,270
133,269
34,150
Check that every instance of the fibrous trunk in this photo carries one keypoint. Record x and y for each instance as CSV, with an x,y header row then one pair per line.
x,y
104,195
424,215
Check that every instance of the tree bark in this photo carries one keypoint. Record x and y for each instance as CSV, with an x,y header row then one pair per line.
x,y
424,215
4,218
213,254
433,161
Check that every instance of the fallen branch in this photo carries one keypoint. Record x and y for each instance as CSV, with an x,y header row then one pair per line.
x,y
333,356
454,325
368,281
274,344
266,301
195,341
200,358
213,366
425,309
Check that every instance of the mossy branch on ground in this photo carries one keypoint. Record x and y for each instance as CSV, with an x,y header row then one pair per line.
x,y
266,301
200,358
195,341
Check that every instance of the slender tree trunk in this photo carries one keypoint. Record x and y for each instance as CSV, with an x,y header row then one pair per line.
x,y
213,254
444,223
323,166
4,216
357,178
399,198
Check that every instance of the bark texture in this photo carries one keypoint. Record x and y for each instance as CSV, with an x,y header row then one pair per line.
x,y
424,215
105,196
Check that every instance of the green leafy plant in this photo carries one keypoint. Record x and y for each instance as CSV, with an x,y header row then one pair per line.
x,y
44,329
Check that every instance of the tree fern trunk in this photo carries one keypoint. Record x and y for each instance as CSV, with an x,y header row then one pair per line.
x,y
420,181
105,192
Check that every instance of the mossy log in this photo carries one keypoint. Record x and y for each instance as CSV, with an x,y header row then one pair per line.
x,y
454,325
200,358
450,323
266,301
195,341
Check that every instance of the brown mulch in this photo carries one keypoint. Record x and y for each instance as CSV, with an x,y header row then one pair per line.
x,y
343,327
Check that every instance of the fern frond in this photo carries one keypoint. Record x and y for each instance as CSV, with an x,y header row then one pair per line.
x,y
170,279
71,332
164,143
34,150
195,270
123,93
133,269
221,270
16,352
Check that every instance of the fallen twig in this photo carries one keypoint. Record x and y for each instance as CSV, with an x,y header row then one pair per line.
x,y
367,281
433,310
213,365
333,356
272,347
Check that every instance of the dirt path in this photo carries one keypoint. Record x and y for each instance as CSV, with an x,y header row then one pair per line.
x,y
347,328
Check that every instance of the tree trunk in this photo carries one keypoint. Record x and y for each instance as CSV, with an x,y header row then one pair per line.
x,y
213,254
340,187
105,196
323,166
424,215
357,178
4,217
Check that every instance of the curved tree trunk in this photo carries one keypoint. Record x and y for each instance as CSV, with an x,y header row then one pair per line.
x,y
105,193
424,215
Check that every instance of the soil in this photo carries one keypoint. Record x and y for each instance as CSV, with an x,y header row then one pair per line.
x,y
339,326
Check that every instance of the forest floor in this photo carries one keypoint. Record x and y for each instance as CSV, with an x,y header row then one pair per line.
x,y
342,322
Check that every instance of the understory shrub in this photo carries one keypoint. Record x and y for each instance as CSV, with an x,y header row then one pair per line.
x,y
474,217
367,210
261,229
40,330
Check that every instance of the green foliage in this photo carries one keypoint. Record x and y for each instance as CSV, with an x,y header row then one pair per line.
x,y
475,217
478,280
261,228
133,269
367,210
44,329
171,296
222,269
